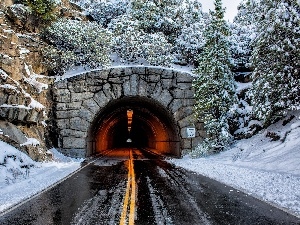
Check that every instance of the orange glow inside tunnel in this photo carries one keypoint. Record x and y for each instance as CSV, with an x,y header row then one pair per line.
x,y
143,121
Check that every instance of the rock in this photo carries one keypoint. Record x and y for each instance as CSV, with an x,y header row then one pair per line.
x,y
19,14
12,132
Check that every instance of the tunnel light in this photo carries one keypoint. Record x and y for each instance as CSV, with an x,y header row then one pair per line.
x,y
129,140
129,118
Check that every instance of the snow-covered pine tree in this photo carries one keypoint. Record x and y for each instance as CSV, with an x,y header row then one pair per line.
x,y
214,86
276,60
158,15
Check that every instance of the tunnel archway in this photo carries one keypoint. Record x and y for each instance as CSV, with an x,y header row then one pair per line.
x,y
152,127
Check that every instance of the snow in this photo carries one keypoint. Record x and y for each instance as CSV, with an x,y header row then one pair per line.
x,y
32,79
31,141
268,170
22,178
76,71
14,106
3,74
242,86
24,51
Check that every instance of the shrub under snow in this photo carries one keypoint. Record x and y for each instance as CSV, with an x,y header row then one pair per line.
x,y
77,43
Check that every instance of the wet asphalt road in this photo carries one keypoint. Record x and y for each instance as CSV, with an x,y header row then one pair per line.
x,y
164,195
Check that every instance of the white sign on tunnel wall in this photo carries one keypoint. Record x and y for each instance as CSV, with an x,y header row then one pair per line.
x,y
191,132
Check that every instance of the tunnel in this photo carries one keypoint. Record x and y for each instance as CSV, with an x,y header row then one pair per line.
x,y
136,122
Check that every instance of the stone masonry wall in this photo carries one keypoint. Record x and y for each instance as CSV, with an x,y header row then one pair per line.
x,y
79,99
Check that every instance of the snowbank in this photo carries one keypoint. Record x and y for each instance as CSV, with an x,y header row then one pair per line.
x,y
21,177
266,169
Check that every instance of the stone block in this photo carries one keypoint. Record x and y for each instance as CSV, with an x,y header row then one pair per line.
x,y
140,70
77,85
183,94
63,124
98,75
13,132
126,88
142,90
101,99
117,72
134,84
64,114
175,105
183,112
79,124
62,95
74,143
85,114
63,84
117,90
82,113
165,98
153,78
68,106
115,80
184,77
107,89
75,153
73,133
77,97
91,105
95,82
128,71
189,102
167,74
167,83
154,71
184,86
186,121
187,143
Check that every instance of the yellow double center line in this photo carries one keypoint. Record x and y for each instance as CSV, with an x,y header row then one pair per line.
x,y
129,199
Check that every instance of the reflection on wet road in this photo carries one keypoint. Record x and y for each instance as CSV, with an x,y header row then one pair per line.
x,y
131,186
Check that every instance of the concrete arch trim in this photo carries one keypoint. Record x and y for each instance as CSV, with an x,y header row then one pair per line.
x,y
80,99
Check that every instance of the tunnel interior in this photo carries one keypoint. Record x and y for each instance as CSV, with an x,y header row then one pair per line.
x,y
136,122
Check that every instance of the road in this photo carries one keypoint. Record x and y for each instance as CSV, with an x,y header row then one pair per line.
x,y
131,186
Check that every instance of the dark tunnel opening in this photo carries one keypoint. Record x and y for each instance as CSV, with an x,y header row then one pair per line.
x,y
151,126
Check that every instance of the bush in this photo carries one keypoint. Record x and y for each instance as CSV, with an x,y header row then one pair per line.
x,y
44,10
77,43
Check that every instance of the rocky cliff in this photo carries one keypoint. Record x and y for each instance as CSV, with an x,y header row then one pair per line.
x,y
24,84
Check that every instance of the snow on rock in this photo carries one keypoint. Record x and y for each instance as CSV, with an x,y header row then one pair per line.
x,y
14,106
21,177
31,141
269,170
35,104
24,51
39,86
3,74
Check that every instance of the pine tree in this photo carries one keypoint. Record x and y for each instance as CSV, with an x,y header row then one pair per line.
x,y
44,10
214,86
276,60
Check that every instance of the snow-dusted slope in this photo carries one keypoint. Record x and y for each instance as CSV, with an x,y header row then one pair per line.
x,y
21,177
269,170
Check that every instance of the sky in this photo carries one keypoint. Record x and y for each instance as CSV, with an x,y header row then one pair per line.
x,y
230,5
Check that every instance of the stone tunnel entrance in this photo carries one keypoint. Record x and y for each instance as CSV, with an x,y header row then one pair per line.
x,y
152,127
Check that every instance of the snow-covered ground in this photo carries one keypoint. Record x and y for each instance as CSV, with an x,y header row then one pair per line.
x,y
266,169
22,178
